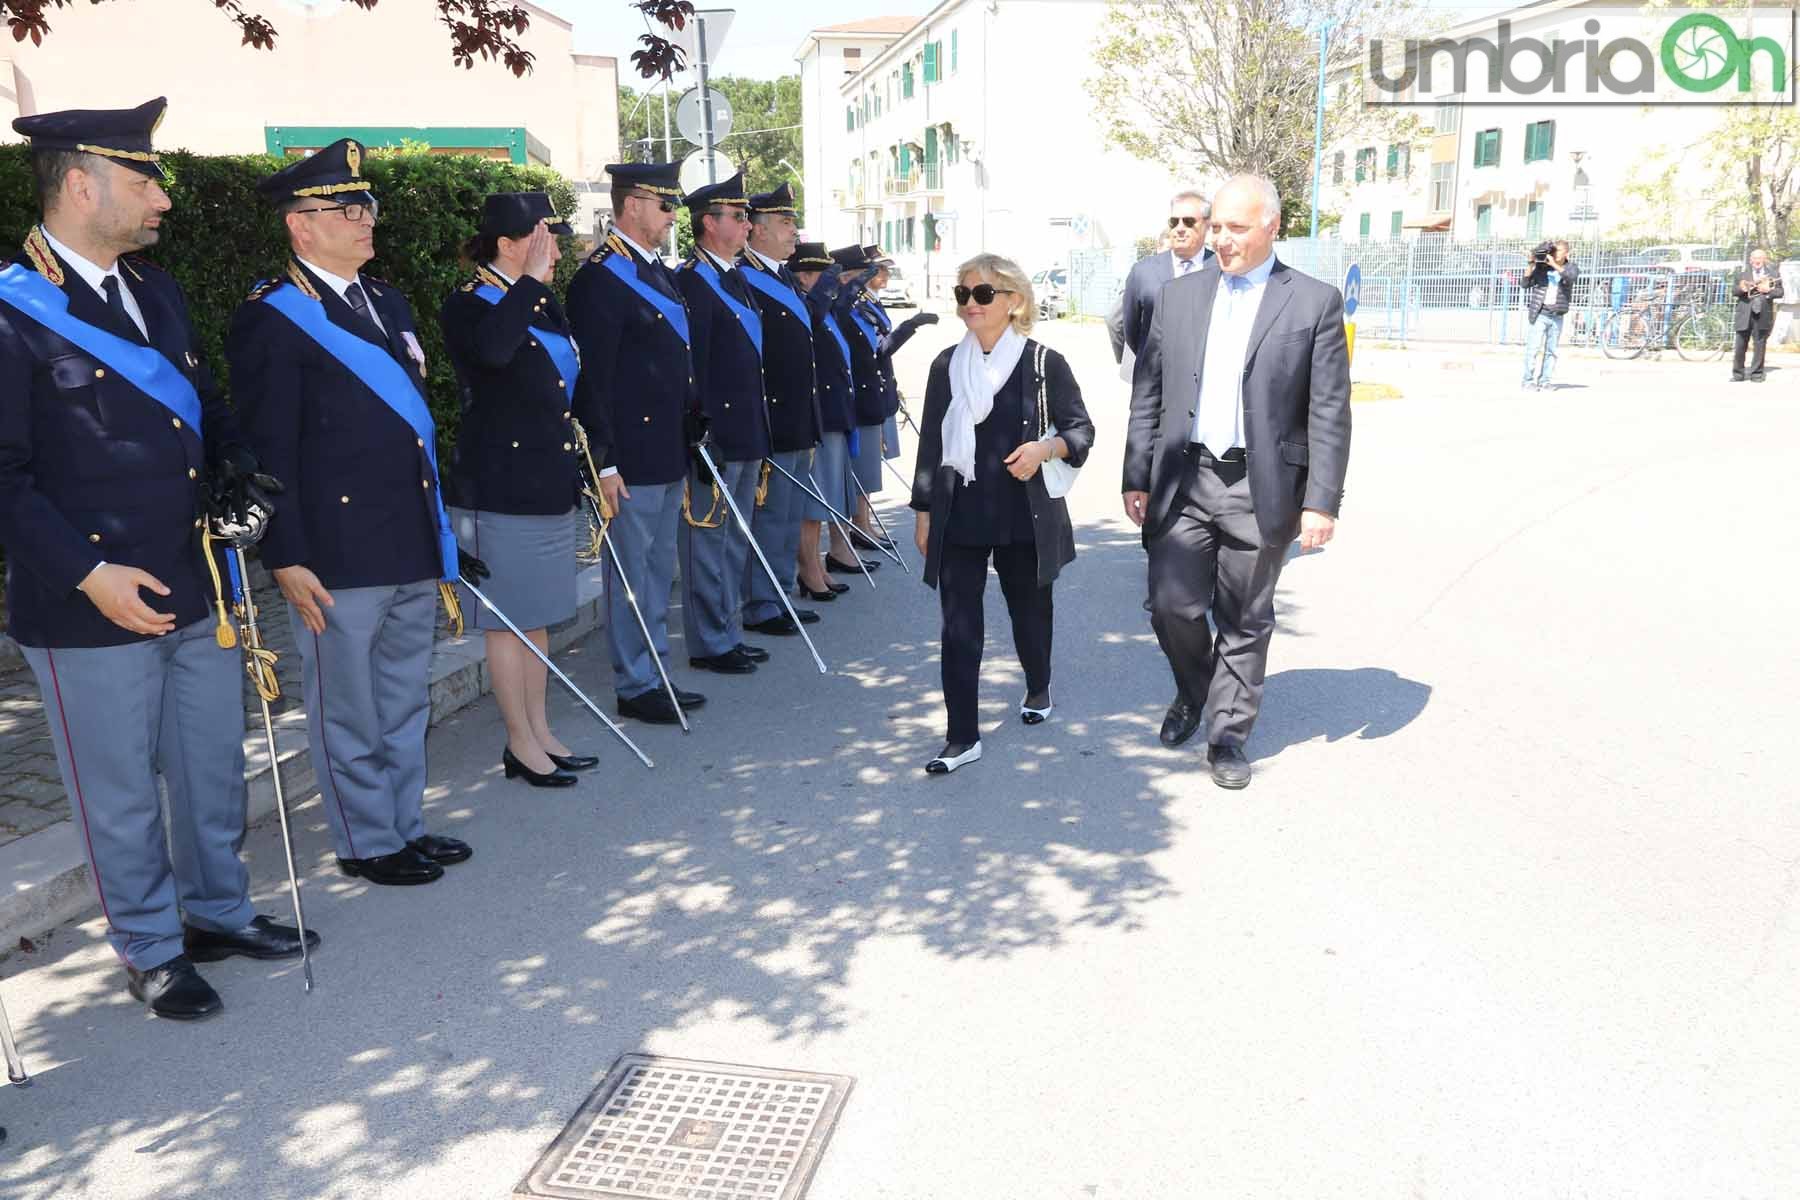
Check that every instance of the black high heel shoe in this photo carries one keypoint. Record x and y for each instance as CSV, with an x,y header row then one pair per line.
x,y
575,762
515,769
806,593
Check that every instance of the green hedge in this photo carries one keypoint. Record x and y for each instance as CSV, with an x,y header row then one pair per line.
x,y
221,237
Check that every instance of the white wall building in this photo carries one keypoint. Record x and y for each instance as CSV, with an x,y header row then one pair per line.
x,y
975,117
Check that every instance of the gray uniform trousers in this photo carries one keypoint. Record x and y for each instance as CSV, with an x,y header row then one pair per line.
x,y
643,532
1210,557
712,562
777,528
367,684
122,715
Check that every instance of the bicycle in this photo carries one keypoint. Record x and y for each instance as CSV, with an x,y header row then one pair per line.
x,y
1651,325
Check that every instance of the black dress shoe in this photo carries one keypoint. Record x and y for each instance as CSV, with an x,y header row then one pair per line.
x,y
863,541
174,990
555,777
441,850
575,762
783,625
807,616
689,699
1180,722
405,867
753,653
832,564
261,938
728,663
824,597
653,708
1230,769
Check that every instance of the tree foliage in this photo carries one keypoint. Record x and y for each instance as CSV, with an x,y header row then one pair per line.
x,y
1223,88
479,29
766,128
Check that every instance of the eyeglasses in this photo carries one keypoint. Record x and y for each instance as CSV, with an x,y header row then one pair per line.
x,y
1190,222
981,293
352,212
662,202
736,214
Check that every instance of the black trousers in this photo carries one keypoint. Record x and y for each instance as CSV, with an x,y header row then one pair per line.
x,y
962,581
1742,343
1210,558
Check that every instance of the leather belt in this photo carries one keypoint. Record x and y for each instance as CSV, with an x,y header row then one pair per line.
x,y
1235,457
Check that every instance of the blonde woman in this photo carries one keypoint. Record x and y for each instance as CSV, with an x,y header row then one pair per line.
x,y
979,492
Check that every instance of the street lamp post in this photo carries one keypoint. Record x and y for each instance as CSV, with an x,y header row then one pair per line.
x,y
1319,129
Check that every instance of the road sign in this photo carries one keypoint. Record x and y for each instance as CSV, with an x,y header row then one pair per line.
x,y
1352,289
718,23
694,174
691,122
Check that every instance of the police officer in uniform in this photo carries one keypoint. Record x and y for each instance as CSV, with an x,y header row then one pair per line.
x,y
329,378
852,318
818,278
517,476
892,338
114,449
634,397
792,391
727,353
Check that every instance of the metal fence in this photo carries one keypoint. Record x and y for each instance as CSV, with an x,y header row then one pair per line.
x,y
1429,288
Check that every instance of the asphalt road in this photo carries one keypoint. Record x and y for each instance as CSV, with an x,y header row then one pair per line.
x,y
1508,912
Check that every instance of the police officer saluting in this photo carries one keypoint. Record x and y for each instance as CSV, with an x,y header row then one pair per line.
x,y
817,277
853,321
517,473
328,375
633,397
792,392
114,450
727,352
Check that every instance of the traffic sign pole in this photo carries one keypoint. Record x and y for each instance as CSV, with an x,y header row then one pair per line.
x,y
706,113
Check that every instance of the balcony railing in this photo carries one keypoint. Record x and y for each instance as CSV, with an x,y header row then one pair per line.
x,y
903,185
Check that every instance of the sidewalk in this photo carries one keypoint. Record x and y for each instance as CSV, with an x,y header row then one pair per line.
x,y
41,857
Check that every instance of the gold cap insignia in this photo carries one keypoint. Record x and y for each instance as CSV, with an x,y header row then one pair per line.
x,y
353,158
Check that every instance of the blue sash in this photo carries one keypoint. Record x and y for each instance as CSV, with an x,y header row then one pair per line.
x,y
382,374
560,349
838,335
144,367
881,316
868,330
772,287
751,319
673,311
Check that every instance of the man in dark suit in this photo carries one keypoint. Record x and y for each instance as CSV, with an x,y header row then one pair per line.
x,y
1187,253
1238,440
327,371
1756,289
112,439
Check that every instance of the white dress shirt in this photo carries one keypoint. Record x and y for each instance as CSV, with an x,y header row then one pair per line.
x,y
641,252
340,285
96,277
1219,414
774,267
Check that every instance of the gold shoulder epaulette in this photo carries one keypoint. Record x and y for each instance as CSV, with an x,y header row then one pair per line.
x,y
487,275
43,259
298,278
467,287
263,288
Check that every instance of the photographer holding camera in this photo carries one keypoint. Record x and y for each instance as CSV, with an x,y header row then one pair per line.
x,y
1549,287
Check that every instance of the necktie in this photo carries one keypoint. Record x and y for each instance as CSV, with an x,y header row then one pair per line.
x,y
1187,264
359,304
115,302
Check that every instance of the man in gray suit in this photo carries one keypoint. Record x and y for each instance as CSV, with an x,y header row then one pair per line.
x,y
1187,253
1238,441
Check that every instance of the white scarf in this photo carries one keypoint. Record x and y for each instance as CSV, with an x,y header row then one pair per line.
x,y
974,378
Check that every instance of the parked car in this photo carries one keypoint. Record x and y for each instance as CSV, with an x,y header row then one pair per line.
x,y
1052,288
897,292
1477,278
1684,256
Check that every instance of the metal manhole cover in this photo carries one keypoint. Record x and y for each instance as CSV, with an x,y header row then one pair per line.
x,y
676,1129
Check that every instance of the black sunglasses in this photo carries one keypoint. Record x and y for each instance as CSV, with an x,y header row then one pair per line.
x,y
661,202
1190,222
982,293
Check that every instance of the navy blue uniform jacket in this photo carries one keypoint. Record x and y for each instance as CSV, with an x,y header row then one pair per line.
x,y
637,375
358,510
515,448
93,470
727,364
788,379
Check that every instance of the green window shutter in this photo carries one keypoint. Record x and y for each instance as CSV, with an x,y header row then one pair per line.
x,y
931,62
931,143
905,158
1484,222
1534,219
1362,227
1394,224
850,119
953,51
1393,160
906,81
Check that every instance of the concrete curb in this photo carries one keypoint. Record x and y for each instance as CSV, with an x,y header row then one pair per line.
x,y
47,873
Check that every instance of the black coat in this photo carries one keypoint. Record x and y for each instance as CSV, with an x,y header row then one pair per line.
x,y
358,510
837,388
93,470
515,449
637,374
935,485
1142,286
1755,310
787,365
727,365
865,367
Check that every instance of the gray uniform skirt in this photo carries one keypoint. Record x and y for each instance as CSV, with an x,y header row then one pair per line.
x,y
532,565
868,461
831,468
890,437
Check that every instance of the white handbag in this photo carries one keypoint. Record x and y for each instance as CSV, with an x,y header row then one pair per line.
x,y
1058,475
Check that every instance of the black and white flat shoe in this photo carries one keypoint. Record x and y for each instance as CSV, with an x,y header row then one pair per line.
x,y
945,763
1035,716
